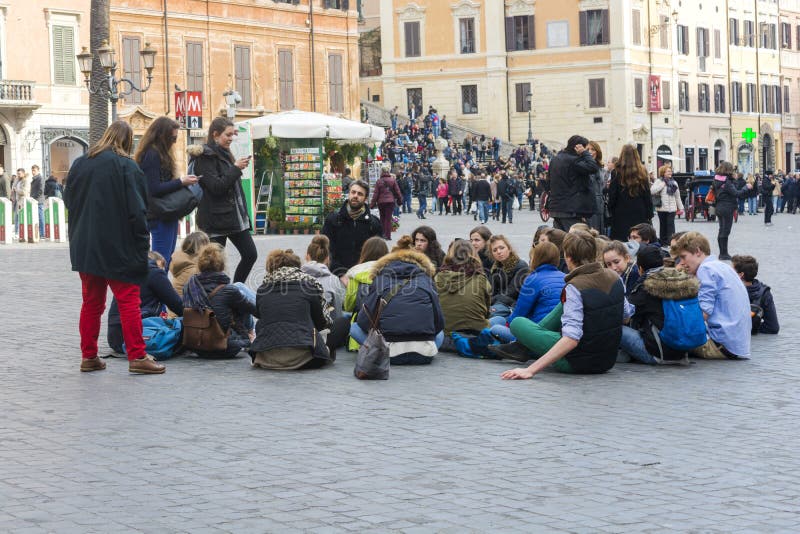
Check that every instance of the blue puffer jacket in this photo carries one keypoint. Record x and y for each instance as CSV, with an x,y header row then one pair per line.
x,y
540,293
414,313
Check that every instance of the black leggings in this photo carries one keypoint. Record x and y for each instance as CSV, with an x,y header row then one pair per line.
x,y
243,242
725,218
666,226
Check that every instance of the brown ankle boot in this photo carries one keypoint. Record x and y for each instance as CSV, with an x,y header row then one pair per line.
x,y
92,364
146,365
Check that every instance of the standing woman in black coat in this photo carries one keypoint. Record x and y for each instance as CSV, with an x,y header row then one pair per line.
x,y
108,242
726,196
155,158
629,199
222,213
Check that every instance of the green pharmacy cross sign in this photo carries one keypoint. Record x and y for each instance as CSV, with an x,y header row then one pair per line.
x,y
748,135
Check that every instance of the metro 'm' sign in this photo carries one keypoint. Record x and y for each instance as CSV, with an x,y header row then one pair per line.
x,y
189,109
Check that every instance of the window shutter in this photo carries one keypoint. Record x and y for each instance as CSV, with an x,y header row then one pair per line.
x,y
326,4
584,28
509,34
606,29
132,67
531,33
63,55
241,59
717,44
638,96
345,5
636,27
666,97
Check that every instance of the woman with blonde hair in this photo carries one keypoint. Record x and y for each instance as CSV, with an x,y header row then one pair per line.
x,y
108,242
629,199
667,191
506,276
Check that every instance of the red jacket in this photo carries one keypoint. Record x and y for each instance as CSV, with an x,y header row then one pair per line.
x,y
386,191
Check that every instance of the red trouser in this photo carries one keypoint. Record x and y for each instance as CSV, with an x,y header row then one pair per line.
x,y
386,209
94,303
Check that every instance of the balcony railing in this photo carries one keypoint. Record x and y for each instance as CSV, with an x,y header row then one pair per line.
x,y
16,92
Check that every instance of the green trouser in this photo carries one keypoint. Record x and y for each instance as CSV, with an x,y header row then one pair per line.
x,y
540,337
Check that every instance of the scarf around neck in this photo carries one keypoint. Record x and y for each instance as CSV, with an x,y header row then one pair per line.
x,y
357,213
672,186
194,293
508,265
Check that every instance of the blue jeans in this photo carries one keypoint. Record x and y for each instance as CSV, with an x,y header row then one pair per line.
x,y
250,295
483,211
508,209
751,205
423,204
41,220
164,236
502,332
360,336
740,207
407,203
632,343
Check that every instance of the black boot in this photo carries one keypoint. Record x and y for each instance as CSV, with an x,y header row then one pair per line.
x,y
723,248
512,351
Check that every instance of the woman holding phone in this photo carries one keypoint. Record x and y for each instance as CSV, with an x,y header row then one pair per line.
x,y
222,213
155,158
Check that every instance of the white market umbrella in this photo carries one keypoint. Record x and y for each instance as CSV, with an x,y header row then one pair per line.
x,y
304,124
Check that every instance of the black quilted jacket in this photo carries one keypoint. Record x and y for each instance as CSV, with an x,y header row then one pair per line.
x,y
291,313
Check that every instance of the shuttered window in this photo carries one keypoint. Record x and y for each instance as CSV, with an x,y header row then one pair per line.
x,y
285,79
335,83
63,55
717,44
523,104
132,67
594,28
411,30
636,26
666,94
597,93
241,66
520,33
638,92
194,66
466,28
664,32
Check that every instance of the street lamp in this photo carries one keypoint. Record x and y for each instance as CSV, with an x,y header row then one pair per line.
x,y
232,99
529,100
111,85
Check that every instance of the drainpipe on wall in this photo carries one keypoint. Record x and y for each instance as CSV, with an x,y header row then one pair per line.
x,y
166,61
313,64
649,74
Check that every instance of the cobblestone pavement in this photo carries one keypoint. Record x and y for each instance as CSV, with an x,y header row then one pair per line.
x,y
215,446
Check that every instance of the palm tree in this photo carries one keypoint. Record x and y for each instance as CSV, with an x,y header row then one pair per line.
x,y
98,103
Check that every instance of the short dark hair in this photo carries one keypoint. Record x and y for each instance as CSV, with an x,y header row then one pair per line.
x,y
580,247
362,184
645,231
746,265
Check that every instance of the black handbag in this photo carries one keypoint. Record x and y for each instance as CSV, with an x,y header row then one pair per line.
x,y
174,205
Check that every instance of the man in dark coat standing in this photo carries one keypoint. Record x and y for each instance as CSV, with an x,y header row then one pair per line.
x,y
106,196
349,228
571,196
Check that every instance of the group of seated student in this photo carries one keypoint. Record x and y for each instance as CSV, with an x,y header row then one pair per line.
x,y
583,303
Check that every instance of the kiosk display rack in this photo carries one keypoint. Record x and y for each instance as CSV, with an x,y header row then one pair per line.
x,y
302,180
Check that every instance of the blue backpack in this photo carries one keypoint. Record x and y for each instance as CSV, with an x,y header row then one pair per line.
x,y
162,336
684,326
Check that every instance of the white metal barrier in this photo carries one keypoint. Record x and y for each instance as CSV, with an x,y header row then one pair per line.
x,y
29,221
187,225
6,221
55,225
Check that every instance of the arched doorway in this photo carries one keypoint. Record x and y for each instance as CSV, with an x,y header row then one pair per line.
x,y
67,137
767,153
63,151
719,152
744,158
663,156
3,146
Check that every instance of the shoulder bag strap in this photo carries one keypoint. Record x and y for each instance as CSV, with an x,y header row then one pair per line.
x,y
214,292
374,318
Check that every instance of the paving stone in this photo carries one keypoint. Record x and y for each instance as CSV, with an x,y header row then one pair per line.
x,y
216,446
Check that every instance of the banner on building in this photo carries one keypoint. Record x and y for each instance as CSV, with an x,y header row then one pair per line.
x,y
654,86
